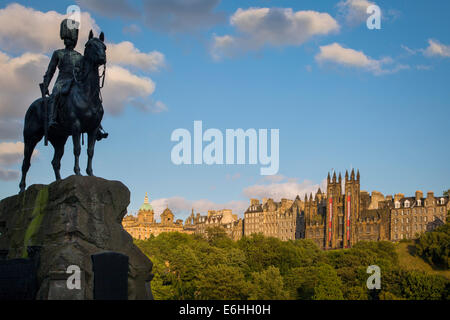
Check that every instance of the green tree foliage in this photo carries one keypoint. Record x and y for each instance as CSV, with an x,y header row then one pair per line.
x,y
268,285
258,267
434,246
221,282
319,282
421,286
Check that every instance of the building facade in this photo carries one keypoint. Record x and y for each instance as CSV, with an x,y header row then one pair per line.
x,y
345,215
216,218
337,218
144,225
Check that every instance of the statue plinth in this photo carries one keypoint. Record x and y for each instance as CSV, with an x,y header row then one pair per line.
x,y
71,220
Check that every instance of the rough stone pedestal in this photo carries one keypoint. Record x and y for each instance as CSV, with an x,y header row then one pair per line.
x,y
72,219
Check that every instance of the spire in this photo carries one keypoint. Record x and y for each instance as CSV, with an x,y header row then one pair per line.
x,y
352,176
346,175
319,191
328,178
146,198
340,178
357,175
306,197
334,177
310,196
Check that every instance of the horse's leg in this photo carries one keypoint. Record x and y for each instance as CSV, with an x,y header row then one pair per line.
x,y
92,137
76,148
58,144
30,144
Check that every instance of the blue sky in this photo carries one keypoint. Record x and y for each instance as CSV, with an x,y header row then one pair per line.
x,y
377,100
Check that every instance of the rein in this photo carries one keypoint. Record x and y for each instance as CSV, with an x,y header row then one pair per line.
x,y
101,79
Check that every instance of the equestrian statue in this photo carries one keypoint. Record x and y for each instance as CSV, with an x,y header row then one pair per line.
x,y
75,105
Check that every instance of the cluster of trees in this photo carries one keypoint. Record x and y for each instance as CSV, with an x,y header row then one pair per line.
x,y
258,267
434,246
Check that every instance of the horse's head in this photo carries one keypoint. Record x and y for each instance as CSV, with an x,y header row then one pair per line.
x,y
95,49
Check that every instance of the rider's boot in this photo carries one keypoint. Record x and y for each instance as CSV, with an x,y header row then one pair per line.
x,y
101,135
51,113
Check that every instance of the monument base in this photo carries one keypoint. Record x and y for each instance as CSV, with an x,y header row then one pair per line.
x,y
71,220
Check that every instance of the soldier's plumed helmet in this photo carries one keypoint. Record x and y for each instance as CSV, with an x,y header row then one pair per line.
x,y
69,30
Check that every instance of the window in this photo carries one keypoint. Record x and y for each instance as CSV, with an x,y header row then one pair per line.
x,y
419,203
397,204
442,200
407,204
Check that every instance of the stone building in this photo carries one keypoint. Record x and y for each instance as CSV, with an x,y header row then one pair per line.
x,y
144,225
345,215
221,218
410,216
337,218
273,219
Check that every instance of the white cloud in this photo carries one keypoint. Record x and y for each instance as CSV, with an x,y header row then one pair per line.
x,y
259,27
19,79
19,82
125,54
181,16
110,8
10,129
435,48
410,51
123,87
26,29
336,54
27,35
12,153
163,15
423,67
354,11
9,175
277,187
182,207
288,189
132,29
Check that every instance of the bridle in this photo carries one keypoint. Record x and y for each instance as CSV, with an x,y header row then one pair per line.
x,y
102,78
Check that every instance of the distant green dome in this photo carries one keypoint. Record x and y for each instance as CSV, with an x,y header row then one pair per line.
x,y
146,206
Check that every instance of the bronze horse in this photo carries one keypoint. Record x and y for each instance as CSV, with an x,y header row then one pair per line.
x,y
81,113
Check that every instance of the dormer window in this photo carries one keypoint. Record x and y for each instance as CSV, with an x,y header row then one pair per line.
x,y
407,204
397,204
419,203
442,200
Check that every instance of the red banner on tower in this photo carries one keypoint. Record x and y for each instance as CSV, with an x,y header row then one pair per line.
x,y
348,216
331,218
